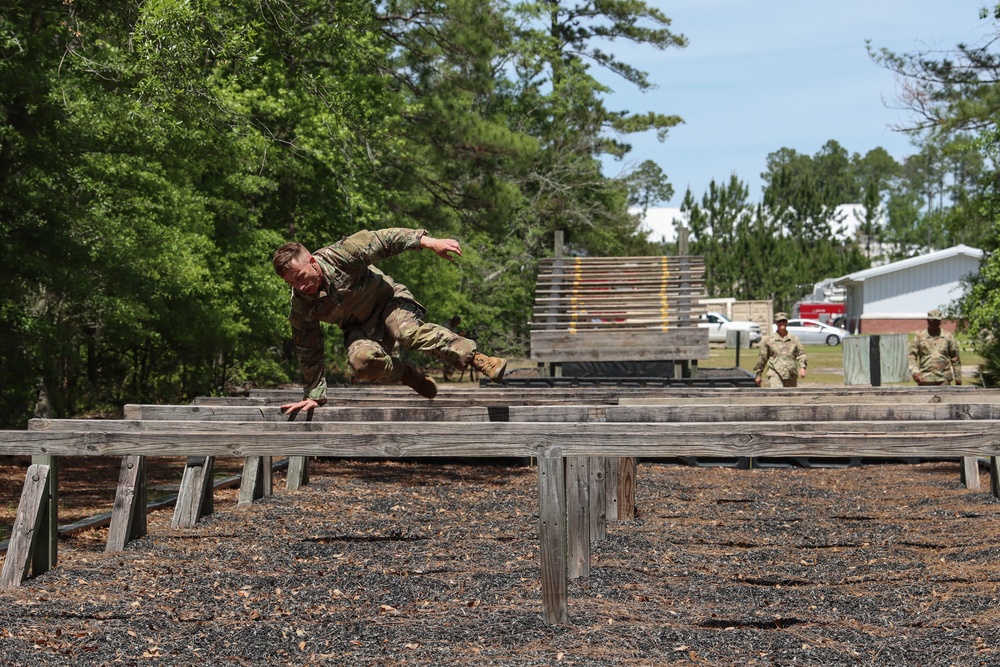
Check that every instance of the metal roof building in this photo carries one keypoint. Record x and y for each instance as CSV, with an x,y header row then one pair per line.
x,y
895,298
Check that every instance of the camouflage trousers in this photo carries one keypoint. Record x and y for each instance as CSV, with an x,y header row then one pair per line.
x,y
372,360
774,381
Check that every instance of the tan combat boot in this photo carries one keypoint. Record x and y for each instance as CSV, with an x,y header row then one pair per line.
x,y
491,367
420,383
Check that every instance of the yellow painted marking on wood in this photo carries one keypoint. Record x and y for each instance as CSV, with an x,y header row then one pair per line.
x,y
664,299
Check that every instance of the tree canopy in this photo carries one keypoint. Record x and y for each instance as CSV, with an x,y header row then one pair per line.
x,y
153,155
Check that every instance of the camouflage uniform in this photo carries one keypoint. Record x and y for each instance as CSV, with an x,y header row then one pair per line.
x,y
935,358
782,356
372,310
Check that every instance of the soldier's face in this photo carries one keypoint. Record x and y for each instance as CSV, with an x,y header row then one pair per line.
x,y
933,325
304,274
782,326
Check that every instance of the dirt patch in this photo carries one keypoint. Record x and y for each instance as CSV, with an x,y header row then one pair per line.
x,y
391,564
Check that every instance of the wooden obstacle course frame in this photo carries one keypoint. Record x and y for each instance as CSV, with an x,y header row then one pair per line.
x,y
566,528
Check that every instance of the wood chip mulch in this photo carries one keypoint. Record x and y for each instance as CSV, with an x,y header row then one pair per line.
x,y
429,564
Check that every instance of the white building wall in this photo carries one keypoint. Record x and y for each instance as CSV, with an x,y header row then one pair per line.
x,y
913,291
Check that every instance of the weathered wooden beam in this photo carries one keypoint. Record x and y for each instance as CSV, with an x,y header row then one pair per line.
x,y
619,345
552,535
626,488
578,516
298,472
411,400
46,556
388,395
855,409
195,497
256,481
611,466
598,499
409,439
970,472
26,533
128,516
467,413
754,397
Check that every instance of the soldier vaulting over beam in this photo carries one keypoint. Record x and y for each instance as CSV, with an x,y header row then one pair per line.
x,y
337,284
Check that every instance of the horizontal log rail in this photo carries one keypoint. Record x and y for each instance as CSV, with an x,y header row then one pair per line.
x,y
501,439
969,394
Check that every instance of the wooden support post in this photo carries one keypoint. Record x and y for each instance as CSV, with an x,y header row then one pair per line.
x,y
875,360
25,533
44,559
970,472
552,535
611,467
994,477
298,472
578,515
256,481
194,498
128,516
598,500
626,488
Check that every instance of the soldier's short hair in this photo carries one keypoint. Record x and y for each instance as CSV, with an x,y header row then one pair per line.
x,y
287,254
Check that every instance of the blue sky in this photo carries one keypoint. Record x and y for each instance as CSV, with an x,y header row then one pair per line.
x,y
759,76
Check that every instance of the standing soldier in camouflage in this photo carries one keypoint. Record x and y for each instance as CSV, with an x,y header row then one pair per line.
x,y
338,285
781,356
934,356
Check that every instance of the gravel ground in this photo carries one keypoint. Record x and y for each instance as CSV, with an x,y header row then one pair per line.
x,y
424,565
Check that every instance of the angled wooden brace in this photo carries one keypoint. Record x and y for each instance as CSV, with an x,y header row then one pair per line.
x,y
128,517
24,539
194,498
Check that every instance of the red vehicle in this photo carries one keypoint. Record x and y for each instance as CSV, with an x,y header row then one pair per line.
x,y
826,312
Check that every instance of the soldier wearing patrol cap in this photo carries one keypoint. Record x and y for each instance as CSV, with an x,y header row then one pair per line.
x,y
934,356
782,359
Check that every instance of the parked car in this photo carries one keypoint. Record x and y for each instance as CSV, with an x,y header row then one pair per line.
x,y
718,325
814,332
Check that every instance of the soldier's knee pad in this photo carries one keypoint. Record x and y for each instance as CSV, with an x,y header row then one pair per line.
x,y
369,364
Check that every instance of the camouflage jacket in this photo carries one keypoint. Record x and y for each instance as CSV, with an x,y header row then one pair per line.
x,y
935,358
782,355
353,296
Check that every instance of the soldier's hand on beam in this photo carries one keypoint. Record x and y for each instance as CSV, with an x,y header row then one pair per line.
x,y
292,409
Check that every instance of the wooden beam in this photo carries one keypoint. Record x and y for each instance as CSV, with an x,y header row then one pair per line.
x,y
469,413
256,480
578,516
194,498
298,472
128,517
598,499
626,488
854,410
503,439
552,535
25,533
970,472
46,556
